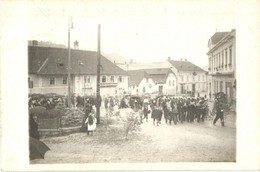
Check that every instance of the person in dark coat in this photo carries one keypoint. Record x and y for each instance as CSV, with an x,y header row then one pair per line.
x,y
33,126
157,115
219,106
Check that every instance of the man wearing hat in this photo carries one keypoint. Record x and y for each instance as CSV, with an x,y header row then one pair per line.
x,y
219,106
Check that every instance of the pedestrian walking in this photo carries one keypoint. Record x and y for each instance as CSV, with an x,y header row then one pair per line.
x,y
219,106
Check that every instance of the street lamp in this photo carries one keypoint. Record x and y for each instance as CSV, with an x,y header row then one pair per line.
x,y
70,26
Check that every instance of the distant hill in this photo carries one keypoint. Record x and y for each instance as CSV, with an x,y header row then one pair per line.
x,y
45,44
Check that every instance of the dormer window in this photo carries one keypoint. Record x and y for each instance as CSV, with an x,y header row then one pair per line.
x,y
60,64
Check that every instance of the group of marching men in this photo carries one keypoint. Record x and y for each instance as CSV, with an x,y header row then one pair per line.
x,y
173,109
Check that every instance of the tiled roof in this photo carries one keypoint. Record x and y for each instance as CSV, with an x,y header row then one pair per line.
x,y
217,37
158,75
185,66
136,76
48,61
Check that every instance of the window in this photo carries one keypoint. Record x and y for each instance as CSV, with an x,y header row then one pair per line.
x,y
222,60
226,58
221,85
187,78
104,78
64,80
181,78
172,82
52,81
218,60
169,83
120,79
143,89
85,79
112,78
199,78
230,56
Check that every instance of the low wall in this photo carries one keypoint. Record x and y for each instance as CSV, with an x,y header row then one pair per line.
x,y
58,132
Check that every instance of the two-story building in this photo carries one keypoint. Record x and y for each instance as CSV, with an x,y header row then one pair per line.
x,y
191,79
48,72
156,81
222,60
188,77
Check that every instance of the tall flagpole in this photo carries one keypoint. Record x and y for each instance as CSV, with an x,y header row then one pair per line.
x,y
98,99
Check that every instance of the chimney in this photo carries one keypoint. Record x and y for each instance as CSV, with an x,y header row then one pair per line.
x,y
169,58
185,59
76,45
35,43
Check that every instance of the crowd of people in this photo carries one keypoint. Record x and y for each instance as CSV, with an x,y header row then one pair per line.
x,y
49,102
172,109
175,110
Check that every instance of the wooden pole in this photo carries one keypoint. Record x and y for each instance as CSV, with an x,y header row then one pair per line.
x,y
98,99
69,66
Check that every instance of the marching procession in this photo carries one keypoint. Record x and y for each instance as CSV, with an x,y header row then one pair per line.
x,y
172,109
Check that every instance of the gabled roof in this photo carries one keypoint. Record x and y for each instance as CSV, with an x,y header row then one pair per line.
x,y
158,75
217,37
136,76
50,61
158,71
185,66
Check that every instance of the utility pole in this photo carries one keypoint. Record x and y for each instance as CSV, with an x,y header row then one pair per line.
x,y
70,26
98,99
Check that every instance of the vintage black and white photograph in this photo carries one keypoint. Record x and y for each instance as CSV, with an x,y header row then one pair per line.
x,y
136,87
131,82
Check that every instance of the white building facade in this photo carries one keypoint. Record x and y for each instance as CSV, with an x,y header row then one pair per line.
x,y
222,66
48,72
153,82
191,79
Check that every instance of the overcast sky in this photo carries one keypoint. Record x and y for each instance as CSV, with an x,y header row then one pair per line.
x,y
141,30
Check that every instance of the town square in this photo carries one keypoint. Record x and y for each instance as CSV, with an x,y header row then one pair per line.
x,y
128,83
